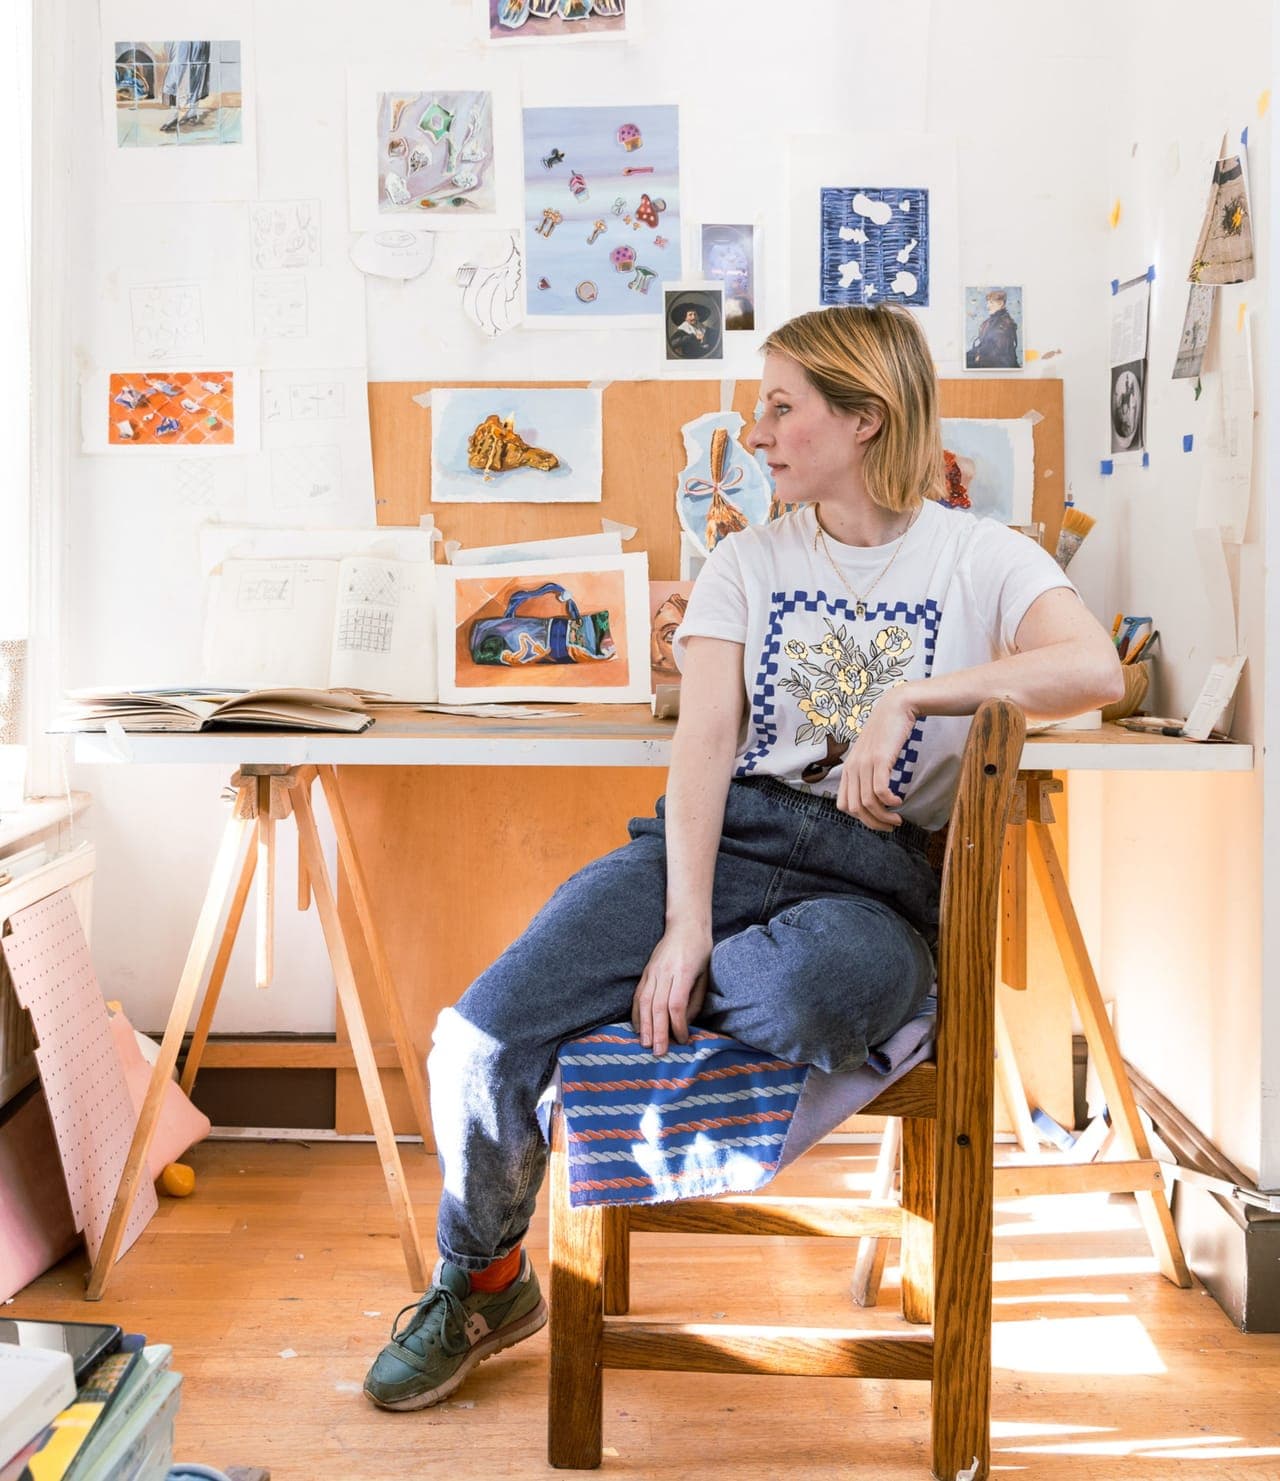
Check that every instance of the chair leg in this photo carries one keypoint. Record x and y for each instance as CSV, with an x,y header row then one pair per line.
x,y
575,1397
617,1260
918,1142
868,1267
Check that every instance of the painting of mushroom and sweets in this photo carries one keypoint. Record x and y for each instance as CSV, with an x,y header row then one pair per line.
x,y
602,214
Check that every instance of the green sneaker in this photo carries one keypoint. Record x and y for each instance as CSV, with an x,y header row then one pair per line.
x,y
451,1331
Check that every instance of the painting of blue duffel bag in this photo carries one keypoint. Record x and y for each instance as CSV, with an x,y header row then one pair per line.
x,y
515,640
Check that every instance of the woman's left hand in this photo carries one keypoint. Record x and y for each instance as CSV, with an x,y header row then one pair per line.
x,y
864,775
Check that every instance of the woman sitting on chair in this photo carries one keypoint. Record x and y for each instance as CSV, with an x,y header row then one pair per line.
x,y
781,895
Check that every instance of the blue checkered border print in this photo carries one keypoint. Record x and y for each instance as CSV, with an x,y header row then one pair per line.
x,y
923,615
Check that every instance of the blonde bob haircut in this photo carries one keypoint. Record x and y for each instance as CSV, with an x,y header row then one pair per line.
x,y
863,360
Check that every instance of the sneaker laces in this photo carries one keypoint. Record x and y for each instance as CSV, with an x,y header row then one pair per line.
x,y
448,1321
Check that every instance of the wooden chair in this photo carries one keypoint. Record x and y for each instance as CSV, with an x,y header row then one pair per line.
x,y
944,1221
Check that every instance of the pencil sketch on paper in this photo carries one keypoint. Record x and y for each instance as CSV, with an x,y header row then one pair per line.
x,y
435,153
177,93
280,306
168,320
260,591
303,477
310,401
874,245
284,234
491,295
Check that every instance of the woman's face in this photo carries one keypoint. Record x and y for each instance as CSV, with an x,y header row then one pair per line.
x,y
813,451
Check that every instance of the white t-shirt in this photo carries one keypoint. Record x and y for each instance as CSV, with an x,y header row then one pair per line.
x,y
953,597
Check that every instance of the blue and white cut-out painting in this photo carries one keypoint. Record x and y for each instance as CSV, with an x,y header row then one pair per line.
x,y
875,245
724,492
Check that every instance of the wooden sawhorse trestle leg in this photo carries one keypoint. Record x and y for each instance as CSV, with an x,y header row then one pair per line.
x,y
263,795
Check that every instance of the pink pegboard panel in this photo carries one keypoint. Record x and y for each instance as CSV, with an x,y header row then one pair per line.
x,y
84,1084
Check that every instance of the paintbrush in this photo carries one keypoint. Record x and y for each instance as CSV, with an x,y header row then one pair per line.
x,y
1075,526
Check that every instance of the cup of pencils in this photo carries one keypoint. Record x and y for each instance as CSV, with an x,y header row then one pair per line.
x,y
1135,639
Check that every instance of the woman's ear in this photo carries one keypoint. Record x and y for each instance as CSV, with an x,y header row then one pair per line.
x,y
867,424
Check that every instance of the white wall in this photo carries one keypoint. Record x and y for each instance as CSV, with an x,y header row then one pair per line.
x,y
1044,105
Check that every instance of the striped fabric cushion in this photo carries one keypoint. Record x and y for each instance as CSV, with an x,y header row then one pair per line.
x,y
708,1117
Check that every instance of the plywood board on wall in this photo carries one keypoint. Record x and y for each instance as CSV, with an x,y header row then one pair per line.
x,y
459,858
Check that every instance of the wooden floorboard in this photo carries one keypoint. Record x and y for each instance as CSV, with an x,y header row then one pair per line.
x,y
1103,1370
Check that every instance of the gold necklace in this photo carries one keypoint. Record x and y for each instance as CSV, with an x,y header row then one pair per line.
x,y
859,602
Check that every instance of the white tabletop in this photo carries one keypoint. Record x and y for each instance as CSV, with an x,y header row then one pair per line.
x,y
589,735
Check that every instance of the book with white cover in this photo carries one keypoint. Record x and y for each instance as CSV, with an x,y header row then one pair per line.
x,y
36,1383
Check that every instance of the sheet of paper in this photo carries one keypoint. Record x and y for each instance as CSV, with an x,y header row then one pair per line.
x,y
178,116
1217,694
384,632
879,166
220,543
205,411
1128,374
270,623
394,253
1219,599
429,144
607,543
316,466
1226,478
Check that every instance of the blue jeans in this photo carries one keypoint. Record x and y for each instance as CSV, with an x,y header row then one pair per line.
x,y
823,934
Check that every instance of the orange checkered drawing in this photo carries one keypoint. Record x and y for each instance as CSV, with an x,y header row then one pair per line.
x,y
171,408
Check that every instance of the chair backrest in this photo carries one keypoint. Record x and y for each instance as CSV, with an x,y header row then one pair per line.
x,y
963,1179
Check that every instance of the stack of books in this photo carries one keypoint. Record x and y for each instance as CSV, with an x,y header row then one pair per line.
x,y
110,1421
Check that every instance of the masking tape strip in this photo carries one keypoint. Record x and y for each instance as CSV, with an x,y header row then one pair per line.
x,y
1033,416
423,398
726,395
1188,441
599,385
1106,467
450,546
1115,288
1146,460
1244,136
608,526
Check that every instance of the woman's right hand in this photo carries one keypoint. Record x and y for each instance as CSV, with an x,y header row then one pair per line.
x,y
672,987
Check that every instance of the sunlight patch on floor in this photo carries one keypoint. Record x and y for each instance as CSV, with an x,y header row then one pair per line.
x,y
1086,1344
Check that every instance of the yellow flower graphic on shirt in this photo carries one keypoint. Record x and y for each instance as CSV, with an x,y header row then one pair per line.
x,y
837,684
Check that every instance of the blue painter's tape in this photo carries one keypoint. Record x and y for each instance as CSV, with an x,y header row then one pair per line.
x,y
1187,442
1151,273
1244,136
1146,460
1115,286
1105,467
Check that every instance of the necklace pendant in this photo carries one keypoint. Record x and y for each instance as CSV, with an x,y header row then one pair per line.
x,y
860,610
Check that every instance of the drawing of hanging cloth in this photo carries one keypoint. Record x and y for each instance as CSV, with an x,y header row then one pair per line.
x,y
708,1117
188,60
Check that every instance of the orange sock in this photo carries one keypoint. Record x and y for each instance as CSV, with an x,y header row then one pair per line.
x,y
498,1275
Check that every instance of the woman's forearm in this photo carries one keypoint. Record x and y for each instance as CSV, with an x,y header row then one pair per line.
x,y
697,785
1049,683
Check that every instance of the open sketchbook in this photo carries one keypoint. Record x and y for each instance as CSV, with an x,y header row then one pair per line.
x,y
359,623
183,710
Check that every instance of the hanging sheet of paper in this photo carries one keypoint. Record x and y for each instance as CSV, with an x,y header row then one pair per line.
x,y
178,115
200,412
1128,393
1226,477
872,219
219,542
316,466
